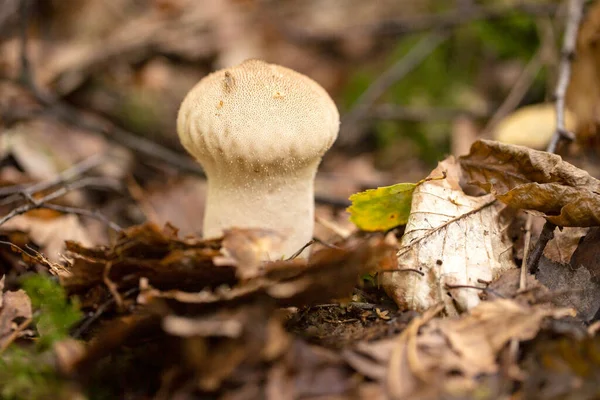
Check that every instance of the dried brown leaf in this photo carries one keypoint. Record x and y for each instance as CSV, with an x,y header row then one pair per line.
x,y
146,251
449,355
13,305
587,254
570,286
564,243
535,180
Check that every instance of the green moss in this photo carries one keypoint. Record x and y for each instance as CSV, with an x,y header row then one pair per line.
x,y
54,313
27,373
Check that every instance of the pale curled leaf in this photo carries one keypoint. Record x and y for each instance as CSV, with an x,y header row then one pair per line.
x,y
453,239
535,180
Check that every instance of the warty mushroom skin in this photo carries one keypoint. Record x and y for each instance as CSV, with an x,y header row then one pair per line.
x,y
259,131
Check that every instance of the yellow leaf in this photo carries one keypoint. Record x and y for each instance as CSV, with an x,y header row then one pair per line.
x,y
382,208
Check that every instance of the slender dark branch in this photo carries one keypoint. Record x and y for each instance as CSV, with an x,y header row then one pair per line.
x,y
413,270
95,214
483,289
301,249
546,235
34,204
86,322
351,133
568,53
63,177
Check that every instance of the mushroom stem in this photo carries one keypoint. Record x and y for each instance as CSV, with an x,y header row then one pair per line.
x,y
283,203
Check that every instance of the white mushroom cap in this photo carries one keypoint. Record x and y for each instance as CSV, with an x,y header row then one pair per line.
x,y
259,130
257,114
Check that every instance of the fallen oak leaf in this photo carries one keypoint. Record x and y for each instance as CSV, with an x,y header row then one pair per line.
x,y
536,181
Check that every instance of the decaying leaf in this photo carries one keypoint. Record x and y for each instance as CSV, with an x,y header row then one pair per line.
x,y
449,355
382,208
50,234
219,326
535,180
453,240
14,305
532,126
565,368
571,286
587,254
564,243
247,248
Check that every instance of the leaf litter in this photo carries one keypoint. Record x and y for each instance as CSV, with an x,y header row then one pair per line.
x,y
173,316
208,318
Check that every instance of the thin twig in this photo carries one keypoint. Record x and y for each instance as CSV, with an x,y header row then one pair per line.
x,y
413,270
568,53
15,334
483,289
86,322
94,214
63,177
351,133
43,202
523,275
561,134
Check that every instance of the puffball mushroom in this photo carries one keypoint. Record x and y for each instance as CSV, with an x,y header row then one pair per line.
x,y
259,131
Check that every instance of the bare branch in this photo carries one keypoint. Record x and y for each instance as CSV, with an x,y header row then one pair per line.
x,y
44,202
574,15
568,53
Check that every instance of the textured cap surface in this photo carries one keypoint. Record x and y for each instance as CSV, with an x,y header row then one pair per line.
x,y
257,114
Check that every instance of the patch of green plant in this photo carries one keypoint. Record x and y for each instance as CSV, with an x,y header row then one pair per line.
x,y
448,78
514,36
27,373
53,313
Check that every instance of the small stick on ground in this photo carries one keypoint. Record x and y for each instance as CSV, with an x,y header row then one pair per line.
x,y
14,335
546,235
527,244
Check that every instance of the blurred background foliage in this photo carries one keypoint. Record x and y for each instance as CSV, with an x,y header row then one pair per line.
x,y
118,71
